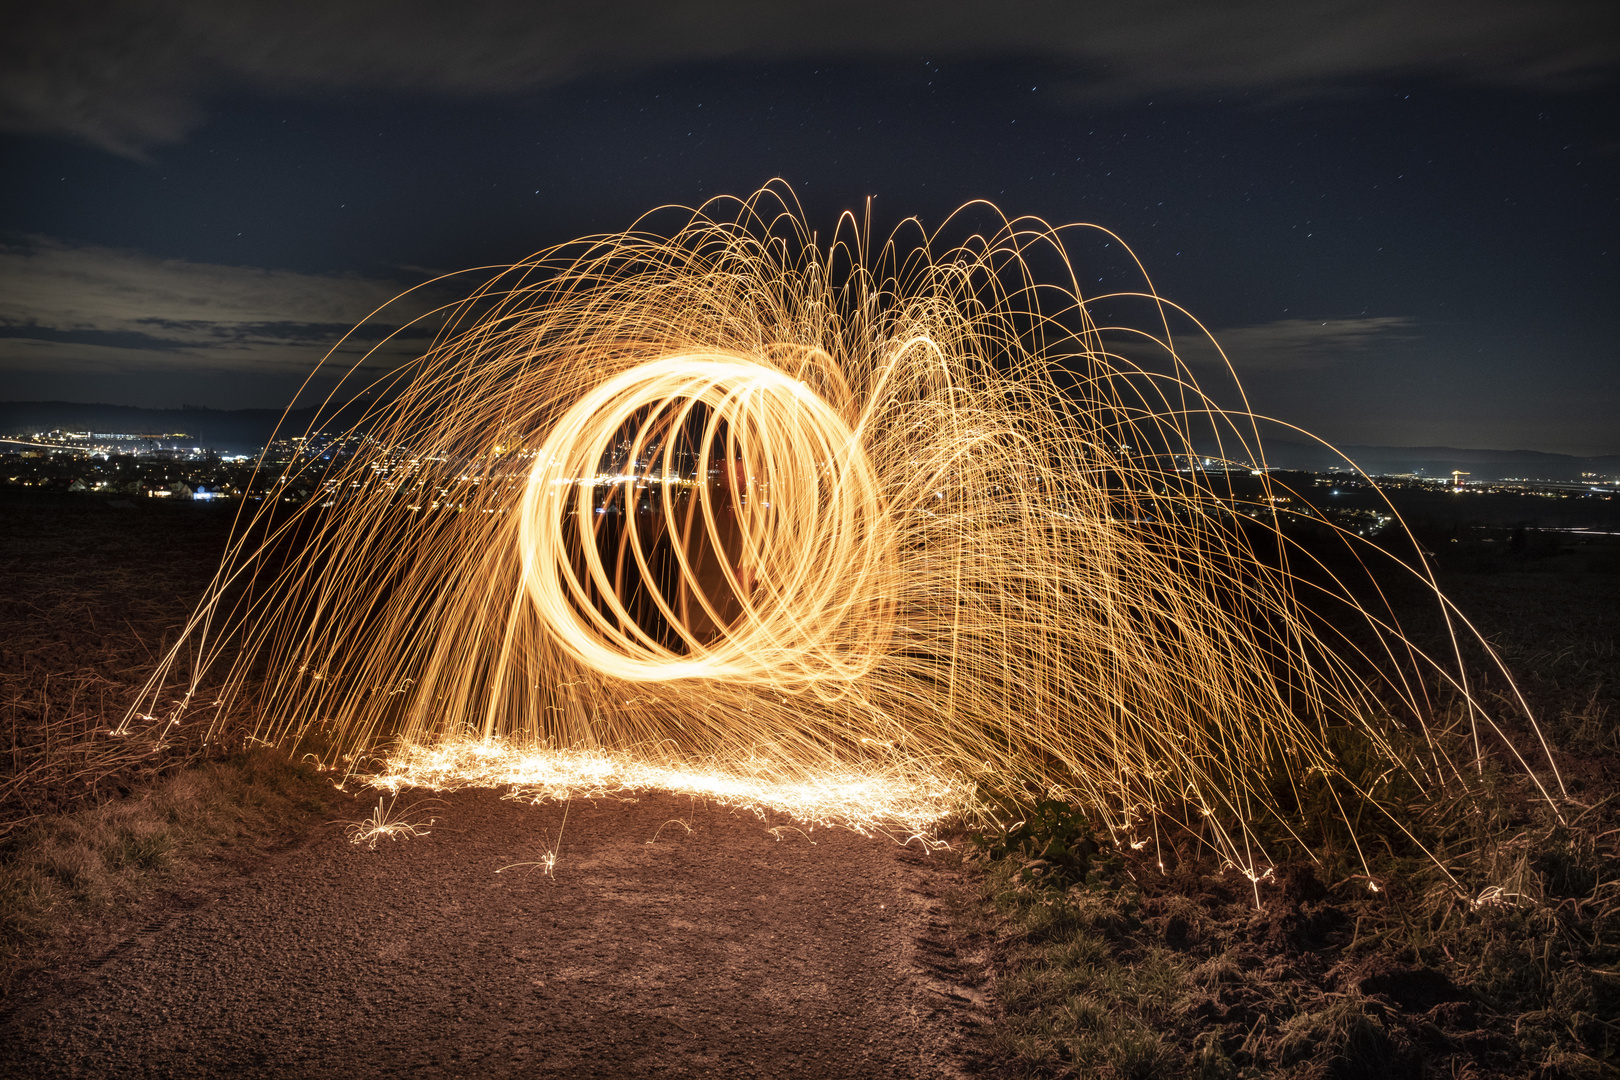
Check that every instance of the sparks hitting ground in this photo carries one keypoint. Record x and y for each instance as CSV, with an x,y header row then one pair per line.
x,y
738,504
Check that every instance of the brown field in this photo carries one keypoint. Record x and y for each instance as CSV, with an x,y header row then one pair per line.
x,y
1092,961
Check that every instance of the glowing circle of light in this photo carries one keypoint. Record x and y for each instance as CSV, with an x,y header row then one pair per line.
x,y
808,532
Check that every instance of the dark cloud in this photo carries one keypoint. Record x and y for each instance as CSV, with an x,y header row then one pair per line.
x,y
130,74
1281,347
92,311
1297,344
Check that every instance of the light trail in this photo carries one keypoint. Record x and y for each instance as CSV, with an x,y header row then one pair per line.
x,y
839,528
863,796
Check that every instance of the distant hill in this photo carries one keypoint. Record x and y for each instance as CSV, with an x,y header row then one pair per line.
x,y
226,430
1441,460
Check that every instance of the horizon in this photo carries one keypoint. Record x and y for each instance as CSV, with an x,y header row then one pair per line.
x,y
281,411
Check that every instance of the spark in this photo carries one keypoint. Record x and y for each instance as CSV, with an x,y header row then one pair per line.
x,y
384,824
842,528
864,797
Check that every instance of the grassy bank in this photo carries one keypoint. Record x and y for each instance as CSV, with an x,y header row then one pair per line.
x,y
108,861
1505,968
97,820
1499,958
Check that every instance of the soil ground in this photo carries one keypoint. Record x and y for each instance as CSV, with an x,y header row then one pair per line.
x,y
683,939
674,939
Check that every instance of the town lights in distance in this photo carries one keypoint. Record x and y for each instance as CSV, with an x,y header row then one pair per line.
x,y
728,500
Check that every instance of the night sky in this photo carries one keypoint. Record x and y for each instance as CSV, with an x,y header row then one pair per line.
x,y
1399,218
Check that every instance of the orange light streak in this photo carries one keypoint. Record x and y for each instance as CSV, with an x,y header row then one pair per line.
x,y
835,527
862,796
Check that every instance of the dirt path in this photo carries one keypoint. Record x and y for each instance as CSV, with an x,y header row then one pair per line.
x,y
676,939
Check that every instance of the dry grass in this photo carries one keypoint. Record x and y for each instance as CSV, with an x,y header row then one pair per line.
x,y
61,751
93,823
1510,971
110,857
1499,957
90,597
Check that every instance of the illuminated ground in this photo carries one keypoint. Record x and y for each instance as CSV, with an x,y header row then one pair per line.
x,y
676,939
906,805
